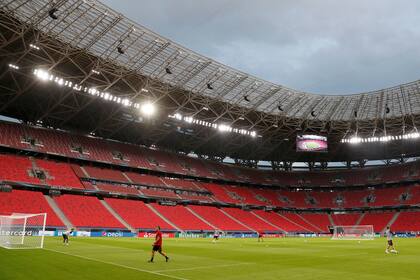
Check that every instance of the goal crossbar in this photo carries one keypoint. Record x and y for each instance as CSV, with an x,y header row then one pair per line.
x,y
22,231
359,232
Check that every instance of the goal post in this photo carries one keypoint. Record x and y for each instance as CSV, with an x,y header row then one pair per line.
x,y
362,232
22,231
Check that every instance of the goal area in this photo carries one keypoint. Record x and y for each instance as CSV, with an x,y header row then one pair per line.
x,y
22,231
362,232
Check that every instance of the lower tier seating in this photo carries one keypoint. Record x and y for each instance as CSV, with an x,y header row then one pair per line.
x,y
217,218
280,221
407,221
182,217
28,202
138,214
87,212
378,220
249,219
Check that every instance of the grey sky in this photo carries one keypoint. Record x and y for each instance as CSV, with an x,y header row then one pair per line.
x,y
318,46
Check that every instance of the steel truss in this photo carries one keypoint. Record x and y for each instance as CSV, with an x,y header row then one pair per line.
x,y
128,58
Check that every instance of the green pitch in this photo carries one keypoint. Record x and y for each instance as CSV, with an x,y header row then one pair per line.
x,y
288,258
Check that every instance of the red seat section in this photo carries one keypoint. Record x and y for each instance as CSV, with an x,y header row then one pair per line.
x,y
61,143
117,189
345,219
59,174
407,221
217,218
86,211
378,220
280,221
321,221
295,218
182,217
17,169
137,214
144,179
105,174
250,219
28,202
221,194
158,192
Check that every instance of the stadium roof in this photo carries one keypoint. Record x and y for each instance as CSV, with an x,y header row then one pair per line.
x,y
126,57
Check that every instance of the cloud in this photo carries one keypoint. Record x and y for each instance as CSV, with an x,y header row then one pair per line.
x,y
328,47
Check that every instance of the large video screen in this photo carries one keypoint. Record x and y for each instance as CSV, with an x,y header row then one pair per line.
x,y
311,143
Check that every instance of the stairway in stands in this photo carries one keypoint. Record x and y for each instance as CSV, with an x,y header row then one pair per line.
x,y
394,218
58,211
116,215
163,217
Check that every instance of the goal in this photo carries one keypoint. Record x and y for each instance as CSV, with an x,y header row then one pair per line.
x,y
364,232
22,231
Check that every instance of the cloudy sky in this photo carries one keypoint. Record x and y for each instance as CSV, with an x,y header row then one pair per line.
x,y
320,46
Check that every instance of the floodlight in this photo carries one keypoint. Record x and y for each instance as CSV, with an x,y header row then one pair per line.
x,y
147,109
42,74
14,66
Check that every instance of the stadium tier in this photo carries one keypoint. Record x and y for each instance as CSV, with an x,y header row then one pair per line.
x,y
22,201
138,214
51,174
208,204
86,212
183,217
42,140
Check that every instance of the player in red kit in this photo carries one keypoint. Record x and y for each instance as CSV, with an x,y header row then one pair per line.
x,y
157,245
260,236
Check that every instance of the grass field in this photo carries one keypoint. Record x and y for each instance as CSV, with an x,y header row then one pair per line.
x,y
288,258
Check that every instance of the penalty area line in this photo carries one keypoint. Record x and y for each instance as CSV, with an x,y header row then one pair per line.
x,y
117,264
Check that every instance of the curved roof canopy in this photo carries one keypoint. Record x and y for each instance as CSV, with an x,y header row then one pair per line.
x,y
94,27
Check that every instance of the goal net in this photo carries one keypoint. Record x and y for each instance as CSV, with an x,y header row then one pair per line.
x,y
364,232
22,231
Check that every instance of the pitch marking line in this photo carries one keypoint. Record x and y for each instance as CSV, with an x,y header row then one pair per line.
x,y
203,267
117,264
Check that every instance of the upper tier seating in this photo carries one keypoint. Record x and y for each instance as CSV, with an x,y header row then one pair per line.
x,y
144,179
59,174
95,149
17,169
137,214
105,174
182,217
28,202
112,188
86,211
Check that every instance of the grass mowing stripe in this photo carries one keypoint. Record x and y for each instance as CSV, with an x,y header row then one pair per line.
x,y
203,267
116,264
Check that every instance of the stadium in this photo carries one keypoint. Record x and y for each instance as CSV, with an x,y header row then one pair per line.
x,y
109,130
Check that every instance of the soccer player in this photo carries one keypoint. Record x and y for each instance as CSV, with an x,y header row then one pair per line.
x,y
260,236
216,236
66,235
389,237
157,245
